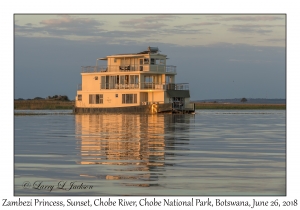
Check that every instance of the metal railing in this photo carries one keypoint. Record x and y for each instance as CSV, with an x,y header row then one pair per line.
x,y
182,86
146,86
143,86
119,86
151,102
129,68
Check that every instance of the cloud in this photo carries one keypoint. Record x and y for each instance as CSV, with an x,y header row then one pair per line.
x,y
150,26
148,22
274,40
64,25
247,37
173,31
153,39
139,35
197,24
66,21
166,28
250,28
257,61
249,18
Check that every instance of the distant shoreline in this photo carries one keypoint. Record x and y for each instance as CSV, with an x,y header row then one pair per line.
x,y
42,104
238,106
68,105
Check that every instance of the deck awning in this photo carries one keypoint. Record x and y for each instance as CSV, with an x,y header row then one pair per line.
x,y
178,93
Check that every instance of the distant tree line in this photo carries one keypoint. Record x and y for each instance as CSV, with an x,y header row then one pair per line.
x,y
58,97
55,97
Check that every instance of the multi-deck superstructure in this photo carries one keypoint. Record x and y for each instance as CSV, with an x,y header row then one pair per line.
x,y
138,82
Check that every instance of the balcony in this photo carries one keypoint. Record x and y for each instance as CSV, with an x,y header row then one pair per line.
x,y
165,86
129,68
145,86
142,86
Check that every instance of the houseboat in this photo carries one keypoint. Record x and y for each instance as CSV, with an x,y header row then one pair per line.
x,y
136,82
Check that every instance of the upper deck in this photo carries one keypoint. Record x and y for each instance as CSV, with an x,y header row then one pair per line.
x,y
146,61
130,68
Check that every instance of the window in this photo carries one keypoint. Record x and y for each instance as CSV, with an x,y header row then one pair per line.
x,y
132,80
168,79
91,101
96,99
129,98
102,82
122,79
79,98
148,78
146,60
117,95
152,61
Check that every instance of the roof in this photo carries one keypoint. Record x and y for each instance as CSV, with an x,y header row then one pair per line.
x,y
151,50
178,93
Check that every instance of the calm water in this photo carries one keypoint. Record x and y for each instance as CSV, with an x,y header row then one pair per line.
x,y
215,152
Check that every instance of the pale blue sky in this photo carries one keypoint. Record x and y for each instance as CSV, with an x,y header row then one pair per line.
x,y
220,56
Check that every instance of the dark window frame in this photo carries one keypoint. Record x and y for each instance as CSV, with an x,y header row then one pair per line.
x,y
95,98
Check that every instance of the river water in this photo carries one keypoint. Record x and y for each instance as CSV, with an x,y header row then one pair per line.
x,y
214,152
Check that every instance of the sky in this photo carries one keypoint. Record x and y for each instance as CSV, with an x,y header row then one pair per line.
x,y
220,55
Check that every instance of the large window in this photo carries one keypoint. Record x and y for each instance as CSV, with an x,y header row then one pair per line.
x,y
79,98
96,98
129,98
119,81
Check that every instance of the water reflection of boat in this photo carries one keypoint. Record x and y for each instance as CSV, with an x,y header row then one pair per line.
x,y
136,145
